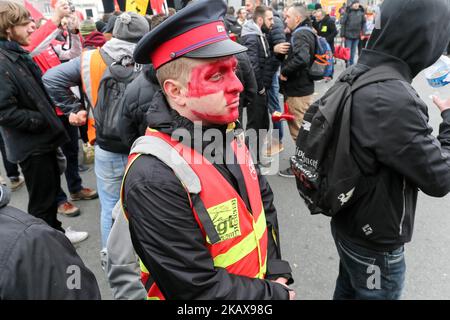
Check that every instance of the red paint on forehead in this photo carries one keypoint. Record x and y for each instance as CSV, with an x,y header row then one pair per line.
x,y
200,84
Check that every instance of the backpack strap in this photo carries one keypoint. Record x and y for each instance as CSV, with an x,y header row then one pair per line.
x,y
377,74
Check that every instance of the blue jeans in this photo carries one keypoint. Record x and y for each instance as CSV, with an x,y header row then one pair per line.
x,y
70,150
368,275
109,169
273,103
353,45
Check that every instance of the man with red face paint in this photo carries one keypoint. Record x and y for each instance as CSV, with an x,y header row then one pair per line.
x,y
201,218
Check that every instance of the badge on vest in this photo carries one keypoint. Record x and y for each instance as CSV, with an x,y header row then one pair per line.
x,y
225,217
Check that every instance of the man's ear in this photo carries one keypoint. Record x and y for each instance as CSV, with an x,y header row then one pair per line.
x,y
175,91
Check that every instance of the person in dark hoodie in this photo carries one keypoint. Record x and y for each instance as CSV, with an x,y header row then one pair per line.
x,y
38,262
392,144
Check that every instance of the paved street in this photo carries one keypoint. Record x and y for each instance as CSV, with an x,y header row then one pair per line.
x,y
306,239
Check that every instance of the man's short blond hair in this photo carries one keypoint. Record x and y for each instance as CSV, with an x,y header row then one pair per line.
x,y
178,69
12,14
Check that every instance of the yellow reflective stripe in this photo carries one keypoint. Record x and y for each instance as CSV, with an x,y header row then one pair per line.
x,y
243,248
274,236
123,184
142,266
262,271
86,73
153,298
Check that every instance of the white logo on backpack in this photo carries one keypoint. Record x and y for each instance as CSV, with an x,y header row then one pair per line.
x,y
306,125
344,197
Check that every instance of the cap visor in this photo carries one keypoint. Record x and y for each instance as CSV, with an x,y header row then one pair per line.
x,y
219,49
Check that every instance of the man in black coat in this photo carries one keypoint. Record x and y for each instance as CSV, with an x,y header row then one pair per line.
x,y
31,130
325,27
296,84
392,144
352,24
253,37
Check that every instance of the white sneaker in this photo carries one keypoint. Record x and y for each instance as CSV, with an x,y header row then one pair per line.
x,y
76,236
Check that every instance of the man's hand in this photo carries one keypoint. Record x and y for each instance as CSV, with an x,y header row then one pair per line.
x,y
283,282
78,119
283,78
73,23
441,104
282,48
62,9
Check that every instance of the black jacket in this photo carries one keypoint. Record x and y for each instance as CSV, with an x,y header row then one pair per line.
x,y
297,63
167,237
258,51
232,25
38,262
246,75
136,101
27,118
274,37
352,23
326,28
391,139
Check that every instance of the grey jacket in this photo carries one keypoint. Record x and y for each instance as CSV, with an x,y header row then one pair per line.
x,y
122,268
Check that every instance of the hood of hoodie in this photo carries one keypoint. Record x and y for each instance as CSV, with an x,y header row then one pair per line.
x,y
414,31
250,27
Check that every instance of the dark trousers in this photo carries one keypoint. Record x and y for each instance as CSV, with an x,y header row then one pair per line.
x,y
70,150
258,120
41,174
12,170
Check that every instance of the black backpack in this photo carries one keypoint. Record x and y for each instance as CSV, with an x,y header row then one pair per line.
x,y
327,175
108,110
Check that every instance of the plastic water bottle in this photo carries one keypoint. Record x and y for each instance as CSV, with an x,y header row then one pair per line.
x,y
438,77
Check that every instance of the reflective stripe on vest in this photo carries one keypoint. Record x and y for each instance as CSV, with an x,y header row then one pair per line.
x,y
242,249
92,70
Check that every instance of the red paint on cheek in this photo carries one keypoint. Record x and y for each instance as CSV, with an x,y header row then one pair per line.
x,y
201,82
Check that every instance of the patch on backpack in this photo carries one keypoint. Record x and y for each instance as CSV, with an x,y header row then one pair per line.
x,y
225,217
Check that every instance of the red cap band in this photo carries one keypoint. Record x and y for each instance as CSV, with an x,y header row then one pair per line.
x,y
189,41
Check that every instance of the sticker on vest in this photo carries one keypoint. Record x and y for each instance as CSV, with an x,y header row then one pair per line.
x,y
225,217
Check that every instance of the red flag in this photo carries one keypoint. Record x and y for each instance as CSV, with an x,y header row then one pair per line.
x,y
157,6
116,6
36,14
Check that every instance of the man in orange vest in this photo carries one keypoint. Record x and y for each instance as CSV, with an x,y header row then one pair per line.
x,y
89,71
201,217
